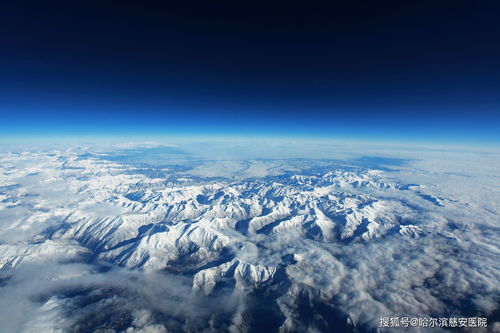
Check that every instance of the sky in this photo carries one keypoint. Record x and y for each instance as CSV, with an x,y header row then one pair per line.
x,y
423,71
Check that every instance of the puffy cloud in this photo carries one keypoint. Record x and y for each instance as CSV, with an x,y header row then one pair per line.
x,y
311,244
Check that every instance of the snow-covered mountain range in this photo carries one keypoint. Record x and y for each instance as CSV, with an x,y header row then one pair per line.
x,y
97,241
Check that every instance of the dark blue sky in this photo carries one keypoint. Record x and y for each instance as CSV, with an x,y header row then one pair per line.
x,y
378,70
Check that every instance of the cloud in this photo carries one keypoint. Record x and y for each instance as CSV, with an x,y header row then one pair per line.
x,y
309,244
83,297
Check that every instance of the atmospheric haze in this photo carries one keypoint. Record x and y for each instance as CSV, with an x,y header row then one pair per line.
x,y
245,237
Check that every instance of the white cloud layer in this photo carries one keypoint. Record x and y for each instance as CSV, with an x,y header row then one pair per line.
x,y
126,242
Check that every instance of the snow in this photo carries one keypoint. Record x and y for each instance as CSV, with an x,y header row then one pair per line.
x,y
367,241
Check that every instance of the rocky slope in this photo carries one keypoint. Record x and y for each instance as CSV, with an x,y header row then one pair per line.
x,y
314,248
